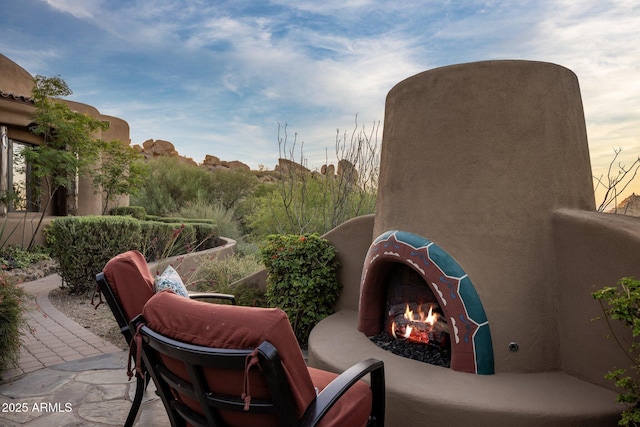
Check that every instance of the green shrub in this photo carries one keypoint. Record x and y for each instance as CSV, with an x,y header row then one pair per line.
x,y
12,307
16,257
135,211
83,245
302,279
623,304
218,275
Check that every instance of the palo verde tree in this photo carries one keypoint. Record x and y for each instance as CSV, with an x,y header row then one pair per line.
x,y
121,171
68,147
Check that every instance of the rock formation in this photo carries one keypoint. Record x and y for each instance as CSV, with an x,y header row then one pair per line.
x,y
213,163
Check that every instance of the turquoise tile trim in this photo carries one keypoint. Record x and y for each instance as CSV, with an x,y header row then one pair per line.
x,y
472,304
447,264
411,239
484,351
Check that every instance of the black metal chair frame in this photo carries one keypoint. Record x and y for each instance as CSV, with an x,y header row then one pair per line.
x,y
141,380
197,358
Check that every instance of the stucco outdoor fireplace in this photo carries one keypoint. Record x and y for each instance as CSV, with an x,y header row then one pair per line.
x,y
413,290
486,215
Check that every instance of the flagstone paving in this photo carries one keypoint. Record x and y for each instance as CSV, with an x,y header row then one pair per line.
x,y
67,376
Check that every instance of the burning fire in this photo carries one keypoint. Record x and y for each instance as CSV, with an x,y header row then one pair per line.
x,y
414,326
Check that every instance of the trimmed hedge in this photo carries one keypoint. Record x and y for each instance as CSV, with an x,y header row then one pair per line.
x,y
138,212
175,220
83,245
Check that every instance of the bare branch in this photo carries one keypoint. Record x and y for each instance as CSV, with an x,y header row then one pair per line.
x,y
616,183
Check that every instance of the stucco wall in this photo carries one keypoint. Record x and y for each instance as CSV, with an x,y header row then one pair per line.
x,y
593,250
352,240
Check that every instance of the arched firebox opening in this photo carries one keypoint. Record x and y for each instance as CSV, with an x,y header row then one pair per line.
x,y
463,318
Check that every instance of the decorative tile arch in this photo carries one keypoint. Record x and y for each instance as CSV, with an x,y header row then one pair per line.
x,y
471,346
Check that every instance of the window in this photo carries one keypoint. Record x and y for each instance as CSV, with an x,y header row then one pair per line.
x,y
20,180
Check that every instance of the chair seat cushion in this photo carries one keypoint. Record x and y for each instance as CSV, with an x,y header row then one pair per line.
x,y
229,326
352,409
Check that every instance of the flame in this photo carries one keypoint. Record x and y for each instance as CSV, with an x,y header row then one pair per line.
x,y
413,327
431,318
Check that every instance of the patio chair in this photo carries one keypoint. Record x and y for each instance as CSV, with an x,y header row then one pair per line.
x,y
127,284
223,365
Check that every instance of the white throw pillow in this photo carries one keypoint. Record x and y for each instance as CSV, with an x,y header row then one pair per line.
x,y
170,279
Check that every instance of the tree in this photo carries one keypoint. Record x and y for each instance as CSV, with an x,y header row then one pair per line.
x,y
232,186
68,146
616,183
122,171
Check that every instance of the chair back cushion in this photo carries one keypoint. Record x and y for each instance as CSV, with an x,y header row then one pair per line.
x,y
130,280
235,327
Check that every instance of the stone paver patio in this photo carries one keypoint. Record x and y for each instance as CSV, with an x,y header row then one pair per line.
x,y
67,376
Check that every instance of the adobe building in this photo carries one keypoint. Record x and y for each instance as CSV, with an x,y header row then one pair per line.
x,y
16,112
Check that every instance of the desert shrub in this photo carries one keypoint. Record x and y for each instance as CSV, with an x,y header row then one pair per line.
x,y
219,276
172,183
12,300
135,211
623,304
226,225
302,279
83,245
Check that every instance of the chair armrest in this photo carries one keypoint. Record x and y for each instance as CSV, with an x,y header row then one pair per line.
x,y
332,392
207,295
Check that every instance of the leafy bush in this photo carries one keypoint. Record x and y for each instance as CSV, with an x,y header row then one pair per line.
x,y
16,257
135,211
83,245
302,279
624,305
12,299
218,276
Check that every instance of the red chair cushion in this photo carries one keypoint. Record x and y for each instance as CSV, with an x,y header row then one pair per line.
x,y
226,326
352,409
130,280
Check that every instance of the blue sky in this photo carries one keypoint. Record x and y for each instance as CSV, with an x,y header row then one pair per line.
x,y
216,77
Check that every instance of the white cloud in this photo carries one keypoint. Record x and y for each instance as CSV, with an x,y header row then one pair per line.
x,y
81,9
317,64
